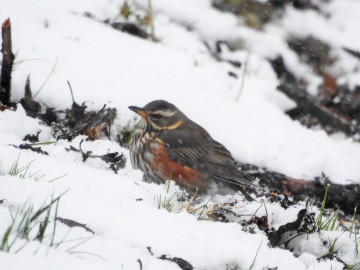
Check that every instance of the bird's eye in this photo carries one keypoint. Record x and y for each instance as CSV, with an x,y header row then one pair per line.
x,y
156,116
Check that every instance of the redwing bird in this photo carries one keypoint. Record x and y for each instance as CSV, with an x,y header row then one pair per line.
x,y
168,145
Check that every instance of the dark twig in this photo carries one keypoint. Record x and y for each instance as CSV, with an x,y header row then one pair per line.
x,y
28,93
115,160
71,91
31,106
150,251
305,223
183,264
140,264
7,63
26,146
352,52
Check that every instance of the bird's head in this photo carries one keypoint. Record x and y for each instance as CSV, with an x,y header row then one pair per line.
x,y
160,115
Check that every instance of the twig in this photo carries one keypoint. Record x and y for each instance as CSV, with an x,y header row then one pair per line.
x,y
71,91
140,264
352,52
28,88
7,63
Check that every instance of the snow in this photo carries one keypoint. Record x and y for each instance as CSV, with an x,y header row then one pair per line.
x,y
105,66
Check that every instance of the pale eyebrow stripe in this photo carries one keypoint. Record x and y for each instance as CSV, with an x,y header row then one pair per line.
x,y
167,113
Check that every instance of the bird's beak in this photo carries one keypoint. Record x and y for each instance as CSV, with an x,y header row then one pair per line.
x,y
138,110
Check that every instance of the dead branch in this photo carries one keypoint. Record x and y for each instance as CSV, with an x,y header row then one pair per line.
x,y
307,104
273,183
305,223
7,63
310,105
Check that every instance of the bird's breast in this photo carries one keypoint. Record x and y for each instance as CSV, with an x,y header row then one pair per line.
x,y
150,154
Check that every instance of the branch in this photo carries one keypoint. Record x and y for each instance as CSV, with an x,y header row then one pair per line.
x,y
7,63
307,104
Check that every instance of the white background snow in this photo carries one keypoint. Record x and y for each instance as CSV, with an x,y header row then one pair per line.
x,y
106,66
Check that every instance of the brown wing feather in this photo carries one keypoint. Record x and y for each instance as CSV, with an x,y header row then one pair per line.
x,y
192,146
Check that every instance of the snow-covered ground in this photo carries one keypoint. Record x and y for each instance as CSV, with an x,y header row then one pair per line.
x,y
106,66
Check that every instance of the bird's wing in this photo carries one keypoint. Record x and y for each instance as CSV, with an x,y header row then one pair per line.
x,y
192,146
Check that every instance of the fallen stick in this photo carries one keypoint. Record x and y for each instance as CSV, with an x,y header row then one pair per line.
x,y
306,104
7,63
